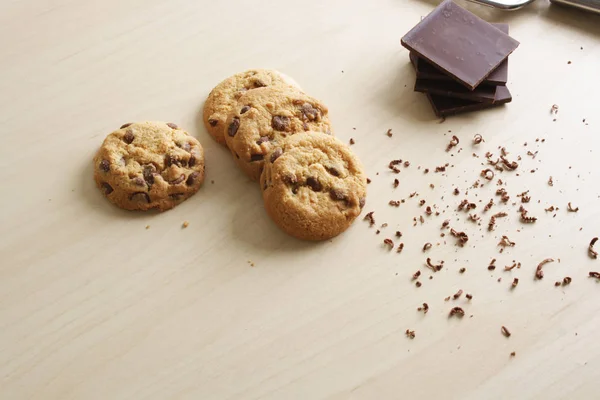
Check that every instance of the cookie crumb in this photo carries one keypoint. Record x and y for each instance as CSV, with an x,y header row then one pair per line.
x,y
352,141
185,224
147,226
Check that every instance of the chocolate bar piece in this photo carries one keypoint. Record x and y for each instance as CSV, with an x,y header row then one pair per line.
x,y
444,106
482,93
498,77
459,43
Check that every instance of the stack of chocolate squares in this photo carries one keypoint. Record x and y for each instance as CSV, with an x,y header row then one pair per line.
x,y
461,61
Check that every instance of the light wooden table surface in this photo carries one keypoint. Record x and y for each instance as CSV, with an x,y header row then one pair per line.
x,y
95,306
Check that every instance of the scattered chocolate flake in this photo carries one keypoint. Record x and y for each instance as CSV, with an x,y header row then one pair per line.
x,y
533,155
571,209
513,354
396,183
418,284
539,273
459,312
406,164
511,165
352,141
400,248
368,180
441,168
554,108
389,132
427,246
525,218
462,270
416,275
426,171
369,217
389,243
410,334
525,199
489,205
461,236
505,331
469,296
185,224
457,295
394,203
492,222
594,274
550,209
425,308
515,282
377,232
428,210
384,225
398,234
550,181
505,242
456,191
593,253
422,219
492,265
566,280
478,139
393,166
487,174
453,143
474,217
421,202
445,223
447,298
434,267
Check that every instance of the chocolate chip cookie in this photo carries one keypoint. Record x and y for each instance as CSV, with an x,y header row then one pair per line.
x,y
224,96
313,186
264,118
149,165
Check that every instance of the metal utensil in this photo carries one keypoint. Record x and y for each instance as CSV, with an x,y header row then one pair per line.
x,y
587,5
504,4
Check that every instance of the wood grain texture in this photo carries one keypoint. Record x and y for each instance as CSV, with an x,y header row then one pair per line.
x,y
95,306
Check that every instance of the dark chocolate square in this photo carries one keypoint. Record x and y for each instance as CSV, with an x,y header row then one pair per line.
x,y
459,43
444,106
425,70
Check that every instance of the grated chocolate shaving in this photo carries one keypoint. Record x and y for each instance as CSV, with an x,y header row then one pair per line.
x,y
434,267
369,217
539,273
457,311
593,253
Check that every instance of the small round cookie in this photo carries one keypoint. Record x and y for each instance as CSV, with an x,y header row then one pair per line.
x,y
313,186
149,165
224,96
265,117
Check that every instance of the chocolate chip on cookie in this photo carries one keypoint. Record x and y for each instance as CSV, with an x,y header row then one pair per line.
x,y
275,114
225,95
149,165
301,193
